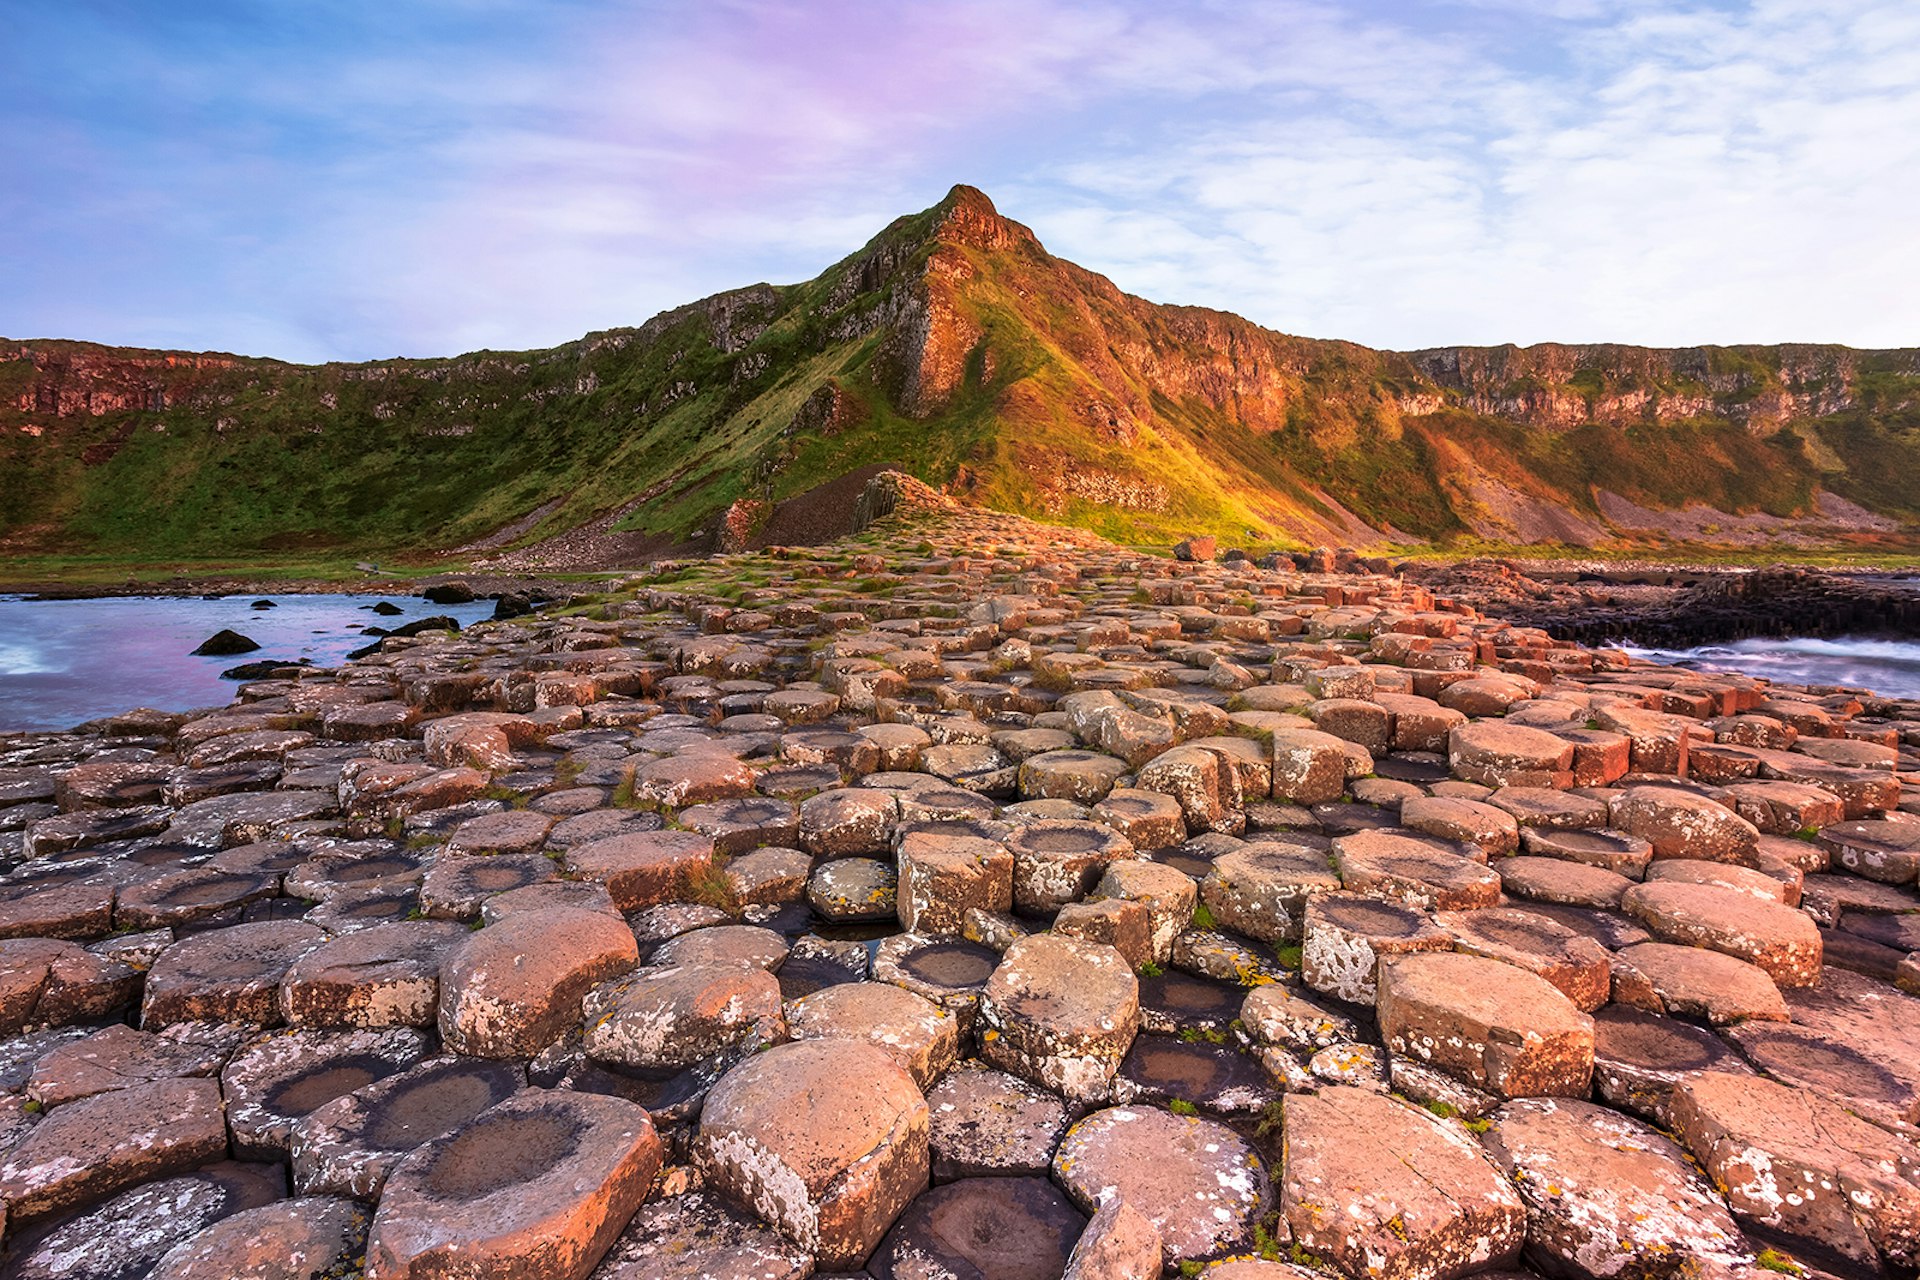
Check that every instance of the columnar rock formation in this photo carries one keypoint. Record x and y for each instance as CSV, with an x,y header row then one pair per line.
x,y
977,900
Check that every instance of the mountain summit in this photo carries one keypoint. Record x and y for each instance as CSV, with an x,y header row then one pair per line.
x,y
955,347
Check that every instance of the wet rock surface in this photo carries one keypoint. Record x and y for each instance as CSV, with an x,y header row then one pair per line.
x,y
864,910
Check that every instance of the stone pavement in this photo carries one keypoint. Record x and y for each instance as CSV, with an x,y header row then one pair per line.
x,y
858,910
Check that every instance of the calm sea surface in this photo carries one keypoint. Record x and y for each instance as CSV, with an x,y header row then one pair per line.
x,y
65,661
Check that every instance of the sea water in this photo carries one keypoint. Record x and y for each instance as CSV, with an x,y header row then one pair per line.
x,y
1889,667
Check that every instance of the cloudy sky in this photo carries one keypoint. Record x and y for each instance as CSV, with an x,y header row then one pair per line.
x,y
347,179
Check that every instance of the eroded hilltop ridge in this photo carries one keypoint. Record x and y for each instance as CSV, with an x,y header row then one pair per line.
x,y
975,899
955,346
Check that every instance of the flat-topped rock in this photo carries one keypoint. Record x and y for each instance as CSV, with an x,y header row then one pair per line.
x,y
1345,936
119,1057
309,1238
942,877
46,982
1638,1057
1497,754
1493,1025
384,976
643,868
1262,889
991,1228
87,1150
697,1236
1843,1192
1060,1012
1058,861
1492,830
1778,939
1197,1181
1574,963
1415,870
987,1123
915,1032
226,975
1877,849
1681,824
539,1186
509,990
675,1016
835,1188
1693,982
1416,1198
129,1234
1609,1196
273,1082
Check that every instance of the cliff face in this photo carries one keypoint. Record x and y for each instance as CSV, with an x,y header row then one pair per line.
x,y
955,346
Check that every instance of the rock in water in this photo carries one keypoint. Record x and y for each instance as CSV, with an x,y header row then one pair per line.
x,y
224,644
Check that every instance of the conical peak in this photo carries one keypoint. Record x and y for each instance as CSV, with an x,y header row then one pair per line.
x,y
967,217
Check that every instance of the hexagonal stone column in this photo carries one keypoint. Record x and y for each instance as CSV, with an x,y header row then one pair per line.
x,y
832,1175
1346,935
1415,1198
943,876
1494,1026
1784,942
1057,861
1062,1013
1262,890
539,1186
509,990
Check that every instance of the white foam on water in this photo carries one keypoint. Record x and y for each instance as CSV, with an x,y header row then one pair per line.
x,y
1887,667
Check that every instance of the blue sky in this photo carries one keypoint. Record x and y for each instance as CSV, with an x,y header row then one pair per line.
x,y
349,179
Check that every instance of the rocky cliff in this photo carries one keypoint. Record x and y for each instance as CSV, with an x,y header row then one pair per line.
x,y
955,346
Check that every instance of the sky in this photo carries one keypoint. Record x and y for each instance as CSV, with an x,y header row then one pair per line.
x,y
354,179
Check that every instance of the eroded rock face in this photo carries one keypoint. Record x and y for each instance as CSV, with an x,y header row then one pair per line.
x,y
833,1189
539,1186
1417,1198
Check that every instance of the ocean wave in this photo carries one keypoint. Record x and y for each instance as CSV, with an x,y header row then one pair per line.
x,y
1887,667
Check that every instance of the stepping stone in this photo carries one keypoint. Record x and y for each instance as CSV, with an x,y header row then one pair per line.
x,y
387,975
1536,808
1175,1003
1571,884
184,897
1780,940
816,963
272,1083
1609,850
1693,982
698,777
509,990
1273,1015
1609,1196
736,944
1865,1083
1416,1198
129,1234
854,889
87,1150
942,877
1309,766
1415,870
1127,927
1491,830
119,1057
1496,754
848,822
1725,875
736,826
983,1229
1262,890
833,1188
582,894
1346,935
1169,896
226,975
913,1031
1215,1077
674,1017
1206,789
1197,1181
46,982
696,1236
1638,1057
539,1185
1835,1189
1059,861
1085,777
1490,1024
457,887
1785,808
1061,1013
986,1123
1147,819
311,1238
771,876
1680,824
77,909
348,1146
1882,850
517,831
644,868
1573,962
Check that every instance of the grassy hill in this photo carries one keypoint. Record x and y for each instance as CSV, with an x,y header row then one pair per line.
x,y
955,347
